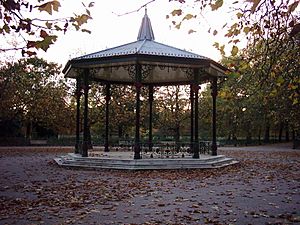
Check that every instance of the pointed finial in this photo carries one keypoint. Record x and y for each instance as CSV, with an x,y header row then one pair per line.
x,y
145,31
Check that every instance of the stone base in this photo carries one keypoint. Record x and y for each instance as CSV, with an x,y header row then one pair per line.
x,y
125,161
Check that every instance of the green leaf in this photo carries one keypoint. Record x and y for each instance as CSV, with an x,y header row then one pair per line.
x,y
45,44
234,50
280,81
216,45
57,28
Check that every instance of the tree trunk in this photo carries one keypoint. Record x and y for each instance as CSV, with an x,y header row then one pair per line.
x,y
287,134
249,137
90,146
280,131
259,136
28,131
234,140
267,133
177,133
120,131
229,137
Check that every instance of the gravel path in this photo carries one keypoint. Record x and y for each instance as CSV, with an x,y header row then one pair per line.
x,y
263,189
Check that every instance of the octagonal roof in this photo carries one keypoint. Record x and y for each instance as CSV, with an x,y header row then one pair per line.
x,y
145,51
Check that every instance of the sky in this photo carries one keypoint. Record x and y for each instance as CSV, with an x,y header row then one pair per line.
x,y
110,30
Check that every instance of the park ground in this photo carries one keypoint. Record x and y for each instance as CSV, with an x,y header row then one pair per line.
x,y
264,188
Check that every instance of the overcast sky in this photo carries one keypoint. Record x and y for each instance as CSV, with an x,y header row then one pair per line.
x,y
110,30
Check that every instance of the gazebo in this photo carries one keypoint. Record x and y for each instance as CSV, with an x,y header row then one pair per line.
x,y
144,63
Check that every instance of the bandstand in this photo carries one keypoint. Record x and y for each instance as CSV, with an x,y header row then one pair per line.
x,y
148,64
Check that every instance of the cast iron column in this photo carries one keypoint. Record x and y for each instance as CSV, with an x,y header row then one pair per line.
x,y
78,94
192,117
150,116
214,93
85,113
196,145
107,99
138,85
196,118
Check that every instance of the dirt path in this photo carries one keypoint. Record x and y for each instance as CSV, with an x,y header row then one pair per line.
x,y
263,189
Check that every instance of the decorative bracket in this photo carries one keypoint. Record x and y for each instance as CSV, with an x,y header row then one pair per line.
x,y
131,69
189,72
146,70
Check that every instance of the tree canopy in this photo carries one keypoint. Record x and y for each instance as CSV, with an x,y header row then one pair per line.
x,y
33,93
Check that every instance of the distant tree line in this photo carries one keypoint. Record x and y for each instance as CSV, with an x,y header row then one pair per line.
x,y
38,102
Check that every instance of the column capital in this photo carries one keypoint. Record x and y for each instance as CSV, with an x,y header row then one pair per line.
x,y
138,85
78,93
85,87
214,88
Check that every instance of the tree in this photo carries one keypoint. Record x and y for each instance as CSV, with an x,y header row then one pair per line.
x,y
33,92
34,29
258,103
172,110
268,23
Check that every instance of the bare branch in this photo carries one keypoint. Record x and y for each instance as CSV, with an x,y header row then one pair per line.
x,y
133,11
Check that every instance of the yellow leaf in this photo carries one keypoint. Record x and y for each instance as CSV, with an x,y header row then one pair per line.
x,y
46,7
246,30
49,6
239,15
55,5
188,17
178,25
216,5
234,50
48,25
176,12
255,4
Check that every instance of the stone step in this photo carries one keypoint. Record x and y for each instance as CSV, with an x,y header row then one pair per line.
x,y
73,160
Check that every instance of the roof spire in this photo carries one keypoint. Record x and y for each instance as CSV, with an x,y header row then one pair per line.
x,y
145,31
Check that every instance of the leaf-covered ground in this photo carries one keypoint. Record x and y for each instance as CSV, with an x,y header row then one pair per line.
x,y
263,189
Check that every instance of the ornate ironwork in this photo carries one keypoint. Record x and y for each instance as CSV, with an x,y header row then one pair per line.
x,y
146,70
79,71
131,69
189,72
94,71
162,67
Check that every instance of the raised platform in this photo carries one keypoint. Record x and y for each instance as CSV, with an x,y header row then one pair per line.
x,y
125,161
